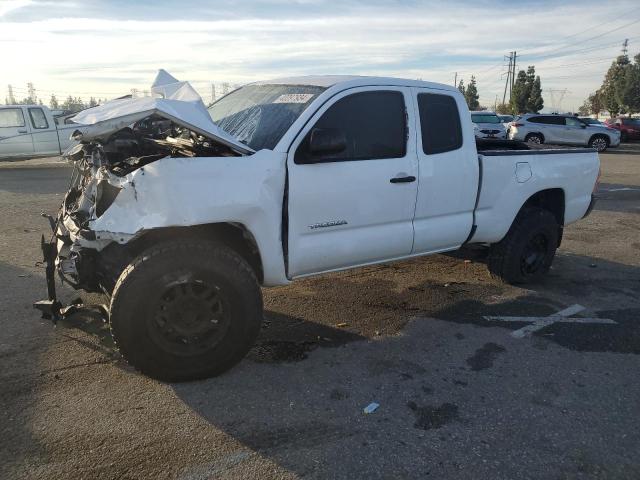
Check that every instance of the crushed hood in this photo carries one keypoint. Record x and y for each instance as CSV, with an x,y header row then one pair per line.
x,y
171,99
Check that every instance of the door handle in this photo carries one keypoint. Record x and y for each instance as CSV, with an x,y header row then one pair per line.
x,y
22,131
408,179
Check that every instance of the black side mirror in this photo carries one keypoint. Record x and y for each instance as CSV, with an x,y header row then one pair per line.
x,y
327,141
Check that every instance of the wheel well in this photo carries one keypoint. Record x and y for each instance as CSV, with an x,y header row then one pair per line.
x,y
551,200
534,133
234,235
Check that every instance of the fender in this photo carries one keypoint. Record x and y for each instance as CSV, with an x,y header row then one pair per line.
x,y
183,192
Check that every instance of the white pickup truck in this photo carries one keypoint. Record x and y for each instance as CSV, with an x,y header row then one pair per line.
x,y
31,131
179,215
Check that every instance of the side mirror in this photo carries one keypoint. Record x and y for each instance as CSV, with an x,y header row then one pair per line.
x,y
584,125
327,141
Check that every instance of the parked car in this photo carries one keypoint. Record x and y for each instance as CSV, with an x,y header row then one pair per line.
x,y
180,215
629,127
31,131
562,130
506,118
489,125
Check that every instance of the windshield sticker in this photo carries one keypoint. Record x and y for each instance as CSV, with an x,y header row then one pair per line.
x,y
294,98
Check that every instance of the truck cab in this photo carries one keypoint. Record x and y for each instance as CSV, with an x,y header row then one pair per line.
x,y
30,131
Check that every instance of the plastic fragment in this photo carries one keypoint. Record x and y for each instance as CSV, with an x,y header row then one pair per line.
x,y
372,407
341,325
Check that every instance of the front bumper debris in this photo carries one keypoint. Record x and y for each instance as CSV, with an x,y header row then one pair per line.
x,y
51,308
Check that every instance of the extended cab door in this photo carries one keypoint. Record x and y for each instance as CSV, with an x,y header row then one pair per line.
x,y
352,182
45,134
15,139
448,171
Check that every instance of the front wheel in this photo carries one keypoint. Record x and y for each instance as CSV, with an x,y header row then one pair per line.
x,y
526,253
186,310
599,143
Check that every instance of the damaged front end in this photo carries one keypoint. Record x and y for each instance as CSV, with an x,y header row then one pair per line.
x,y
115,140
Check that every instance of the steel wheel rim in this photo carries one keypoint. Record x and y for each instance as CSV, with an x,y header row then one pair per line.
x,y
535,139
191,317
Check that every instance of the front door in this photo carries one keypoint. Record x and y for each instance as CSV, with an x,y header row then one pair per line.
x,y
352,182
575,131
15,139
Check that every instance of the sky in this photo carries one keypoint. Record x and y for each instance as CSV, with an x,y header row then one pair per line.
x,y
105,48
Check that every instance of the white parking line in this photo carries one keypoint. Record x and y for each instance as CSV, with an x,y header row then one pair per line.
x,y
538,323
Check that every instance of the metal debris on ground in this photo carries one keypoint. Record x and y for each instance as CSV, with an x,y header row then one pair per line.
x,y
340,325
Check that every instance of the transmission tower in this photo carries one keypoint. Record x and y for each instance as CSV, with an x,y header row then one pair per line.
x,y
11,98
625,47
557,95
32,92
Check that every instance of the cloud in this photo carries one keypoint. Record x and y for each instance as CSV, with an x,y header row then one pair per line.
x,y
105,46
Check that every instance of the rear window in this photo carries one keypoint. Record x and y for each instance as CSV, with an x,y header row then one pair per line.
x,y
11,117
485,118
439,123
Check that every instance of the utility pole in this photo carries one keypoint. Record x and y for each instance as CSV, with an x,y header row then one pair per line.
x,y
455,80
506,83
213,92
513,73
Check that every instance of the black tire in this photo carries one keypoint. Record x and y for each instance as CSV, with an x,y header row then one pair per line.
x,y
534,138
599,142
526,253
186,310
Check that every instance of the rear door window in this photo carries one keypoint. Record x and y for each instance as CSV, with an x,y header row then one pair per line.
x,y
439,123
11,117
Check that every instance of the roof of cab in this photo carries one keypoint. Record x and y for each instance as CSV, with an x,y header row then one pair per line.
x,y
350,81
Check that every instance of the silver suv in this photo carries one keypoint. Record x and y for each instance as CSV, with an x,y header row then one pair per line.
x,y
562,130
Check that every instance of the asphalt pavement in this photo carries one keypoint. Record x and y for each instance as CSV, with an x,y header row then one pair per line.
x,y
433,341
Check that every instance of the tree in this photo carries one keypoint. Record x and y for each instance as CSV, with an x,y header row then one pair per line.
x,y
611,85
471,95
503,109
74,104
535,102
627,87
53,103
520,93
92,102
461,87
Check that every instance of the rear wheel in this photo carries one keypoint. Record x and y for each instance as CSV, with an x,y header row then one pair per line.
x,y
526,253
186,310
534,138
599,142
